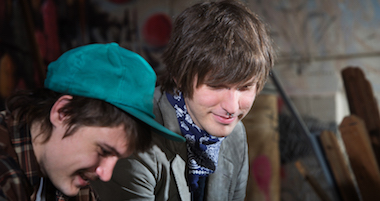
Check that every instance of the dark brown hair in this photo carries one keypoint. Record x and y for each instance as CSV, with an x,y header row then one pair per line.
x,y
217,43
33,106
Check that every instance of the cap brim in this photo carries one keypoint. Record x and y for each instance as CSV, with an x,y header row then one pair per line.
x,y
158,128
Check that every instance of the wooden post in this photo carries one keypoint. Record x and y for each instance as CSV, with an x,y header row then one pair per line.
x,y
340,167
312,181
361,157
362,103
7,78
261,125
28,19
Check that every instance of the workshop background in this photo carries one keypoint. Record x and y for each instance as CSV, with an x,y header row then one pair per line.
x,y
314,39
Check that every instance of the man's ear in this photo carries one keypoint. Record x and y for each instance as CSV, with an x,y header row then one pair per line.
x,y
57,117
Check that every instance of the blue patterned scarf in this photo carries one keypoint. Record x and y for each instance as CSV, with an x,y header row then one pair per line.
x,y
202,148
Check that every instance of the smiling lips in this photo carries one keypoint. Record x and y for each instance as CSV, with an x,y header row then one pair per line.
x,y
224,119
86,177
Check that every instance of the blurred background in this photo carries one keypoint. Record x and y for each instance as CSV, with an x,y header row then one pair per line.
x,y
314,39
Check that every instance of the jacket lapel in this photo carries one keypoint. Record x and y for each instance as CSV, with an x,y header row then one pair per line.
x,y
178,163
178,168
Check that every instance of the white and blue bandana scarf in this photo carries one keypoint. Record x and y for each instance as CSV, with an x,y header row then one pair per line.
x,y
202,148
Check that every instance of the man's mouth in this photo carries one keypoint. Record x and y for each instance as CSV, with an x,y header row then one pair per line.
x,y
84,178
224,119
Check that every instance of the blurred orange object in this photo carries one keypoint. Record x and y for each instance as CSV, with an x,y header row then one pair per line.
x,y
7,79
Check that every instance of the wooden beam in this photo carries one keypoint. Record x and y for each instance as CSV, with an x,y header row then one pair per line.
x,y
340,166
312,181
28,19
363,104
261,125
361,157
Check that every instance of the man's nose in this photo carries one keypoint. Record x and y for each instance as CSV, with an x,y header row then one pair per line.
x,y
105,168
230,101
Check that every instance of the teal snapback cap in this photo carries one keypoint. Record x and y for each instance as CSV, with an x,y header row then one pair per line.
x,y
110,73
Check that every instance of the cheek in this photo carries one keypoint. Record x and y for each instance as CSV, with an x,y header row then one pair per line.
x,y
88,159
211,98
202,101
92,157
207,101
246,102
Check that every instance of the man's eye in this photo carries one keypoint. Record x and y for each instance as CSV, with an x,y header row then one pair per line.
x,y
104,152
218,87
244,88
215,87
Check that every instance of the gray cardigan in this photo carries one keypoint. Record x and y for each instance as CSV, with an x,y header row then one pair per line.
x,y
159,174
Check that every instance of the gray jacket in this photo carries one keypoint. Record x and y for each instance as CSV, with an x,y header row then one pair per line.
x,y
159,174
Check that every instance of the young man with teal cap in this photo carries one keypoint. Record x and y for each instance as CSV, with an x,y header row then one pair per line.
x,y
96,107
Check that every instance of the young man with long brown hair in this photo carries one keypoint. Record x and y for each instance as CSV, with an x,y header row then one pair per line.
x,y
217,61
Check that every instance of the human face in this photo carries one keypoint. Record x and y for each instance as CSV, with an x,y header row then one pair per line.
x,y
210,105
88,154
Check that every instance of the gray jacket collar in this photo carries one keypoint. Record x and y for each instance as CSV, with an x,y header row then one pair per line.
x,y
178,162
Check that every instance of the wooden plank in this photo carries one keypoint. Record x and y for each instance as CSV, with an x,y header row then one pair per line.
x,y
363,104
261,125
312,181
361,157
340,167
28,19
